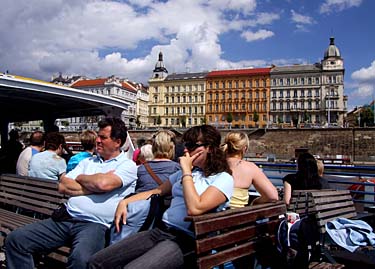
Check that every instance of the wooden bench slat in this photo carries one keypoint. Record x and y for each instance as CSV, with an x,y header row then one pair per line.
x,y
38,196
222,221
237,236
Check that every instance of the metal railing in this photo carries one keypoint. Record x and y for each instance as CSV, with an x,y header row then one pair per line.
x,y
360,180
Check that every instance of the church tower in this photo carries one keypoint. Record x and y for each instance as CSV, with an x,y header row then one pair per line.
x,y
160,71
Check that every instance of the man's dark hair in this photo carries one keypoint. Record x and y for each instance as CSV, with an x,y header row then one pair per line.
x,y
37,138
118,130
54,140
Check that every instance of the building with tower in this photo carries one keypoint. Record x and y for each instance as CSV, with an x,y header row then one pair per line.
x,y
309,94
176,100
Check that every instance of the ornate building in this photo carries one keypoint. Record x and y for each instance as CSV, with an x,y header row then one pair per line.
x,y
309,94
113,87
238,95
176,100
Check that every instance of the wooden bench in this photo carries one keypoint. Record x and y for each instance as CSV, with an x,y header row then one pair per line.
x,y
231,234
25,200
328,205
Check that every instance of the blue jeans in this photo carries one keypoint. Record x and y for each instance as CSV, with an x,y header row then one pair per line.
x,y
86,238
144,250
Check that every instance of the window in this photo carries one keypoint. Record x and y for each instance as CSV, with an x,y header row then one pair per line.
x,y
281,94
166,99
265,95
222,107
288,94
217,85
317,93
281,81
184,99
288,81
295,93
166,111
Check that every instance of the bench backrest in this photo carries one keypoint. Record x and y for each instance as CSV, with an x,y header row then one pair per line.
x,y
326,205
231,234
36,195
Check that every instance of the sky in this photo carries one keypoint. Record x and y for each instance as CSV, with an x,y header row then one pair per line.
x,y
40,38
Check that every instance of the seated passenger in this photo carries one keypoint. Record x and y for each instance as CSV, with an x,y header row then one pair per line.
x,y
88,141
203,184
36,146
306,178
49,163
159,160
245,173
95,187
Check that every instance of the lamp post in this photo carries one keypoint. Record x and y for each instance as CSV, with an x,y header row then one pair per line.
x,y
329,113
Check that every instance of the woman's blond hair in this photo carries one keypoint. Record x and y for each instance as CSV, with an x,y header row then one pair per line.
x,y
235,143
163,145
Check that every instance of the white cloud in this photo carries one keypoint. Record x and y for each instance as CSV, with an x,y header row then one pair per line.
x,y
330,6
365,74
301,19
259,35
363,84
96,38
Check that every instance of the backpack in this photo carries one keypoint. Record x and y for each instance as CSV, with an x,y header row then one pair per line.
x,y
298,242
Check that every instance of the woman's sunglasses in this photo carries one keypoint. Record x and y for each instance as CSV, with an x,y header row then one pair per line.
x,y
192,146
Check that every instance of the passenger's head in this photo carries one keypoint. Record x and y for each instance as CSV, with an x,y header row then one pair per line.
x,y
206,139
88,139
320,165
117,127
37,139
54,141
235,143
111,137
145,154
163,145
14,135
308,170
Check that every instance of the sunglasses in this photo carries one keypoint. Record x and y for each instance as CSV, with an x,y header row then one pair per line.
x,y
192,146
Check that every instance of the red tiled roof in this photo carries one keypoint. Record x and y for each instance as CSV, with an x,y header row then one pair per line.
x,y
128,86
89,82
239,72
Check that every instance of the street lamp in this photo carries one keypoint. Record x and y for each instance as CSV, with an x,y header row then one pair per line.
x,y
329,114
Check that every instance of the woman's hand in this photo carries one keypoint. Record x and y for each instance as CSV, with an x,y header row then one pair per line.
x,y
186,161
121,212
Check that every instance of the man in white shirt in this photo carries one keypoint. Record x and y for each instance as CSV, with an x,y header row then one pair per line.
x,y
36,145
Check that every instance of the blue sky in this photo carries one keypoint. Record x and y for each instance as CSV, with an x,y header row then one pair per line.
x,y
40,38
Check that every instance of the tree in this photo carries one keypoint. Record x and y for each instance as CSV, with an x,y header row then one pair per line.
x,y
158,120
138,121
367,117
255,117
230,119
183,122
